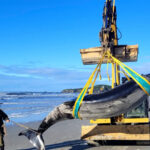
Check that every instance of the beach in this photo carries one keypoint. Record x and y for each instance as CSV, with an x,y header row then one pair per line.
x,y
30,109
64,135
80,59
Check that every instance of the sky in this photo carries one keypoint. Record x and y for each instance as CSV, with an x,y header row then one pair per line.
x,y
40,41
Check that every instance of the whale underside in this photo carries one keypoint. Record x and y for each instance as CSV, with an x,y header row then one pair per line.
x,y
112,103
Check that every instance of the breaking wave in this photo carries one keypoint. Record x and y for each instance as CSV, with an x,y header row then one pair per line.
x,y
31,107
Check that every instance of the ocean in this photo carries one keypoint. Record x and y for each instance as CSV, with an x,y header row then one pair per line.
x,y
31,106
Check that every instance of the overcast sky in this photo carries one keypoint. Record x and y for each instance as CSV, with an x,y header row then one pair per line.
x,y
40,40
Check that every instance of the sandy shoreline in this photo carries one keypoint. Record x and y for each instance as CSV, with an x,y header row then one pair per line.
x,y
64,135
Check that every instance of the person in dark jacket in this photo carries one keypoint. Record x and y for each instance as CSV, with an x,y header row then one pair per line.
x,y
3,117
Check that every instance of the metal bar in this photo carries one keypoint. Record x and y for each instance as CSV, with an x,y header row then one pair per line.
x,y
113,6
113,75
117,74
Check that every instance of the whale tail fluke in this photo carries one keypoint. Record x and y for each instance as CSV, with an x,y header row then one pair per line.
x,y
35,138
62,112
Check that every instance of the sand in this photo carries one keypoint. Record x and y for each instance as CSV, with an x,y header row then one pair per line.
x,y
64,135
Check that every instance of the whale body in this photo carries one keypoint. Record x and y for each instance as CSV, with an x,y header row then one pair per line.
x,y
112,103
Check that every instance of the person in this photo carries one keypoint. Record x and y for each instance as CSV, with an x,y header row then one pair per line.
x,y
3,117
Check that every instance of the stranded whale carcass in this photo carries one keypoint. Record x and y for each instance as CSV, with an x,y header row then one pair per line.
x,y
112,103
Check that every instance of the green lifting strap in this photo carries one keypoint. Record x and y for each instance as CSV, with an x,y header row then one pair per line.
x,y
141,81
80,98
82,94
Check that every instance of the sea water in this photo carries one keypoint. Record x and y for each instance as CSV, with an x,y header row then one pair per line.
x,y
31,107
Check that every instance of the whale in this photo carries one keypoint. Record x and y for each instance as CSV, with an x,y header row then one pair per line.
x,y
112,103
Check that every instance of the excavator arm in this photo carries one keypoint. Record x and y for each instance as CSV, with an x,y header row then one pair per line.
x,y
108,33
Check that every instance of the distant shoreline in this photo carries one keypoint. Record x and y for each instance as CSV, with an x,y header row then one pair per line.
x,y
97,89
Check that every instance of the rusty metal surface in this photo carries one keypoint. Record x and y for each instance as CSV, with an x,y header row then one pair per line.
x,y
121,52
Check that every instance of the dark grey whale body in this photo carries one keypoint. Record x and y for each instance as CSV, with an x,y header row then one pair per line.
x,y
109,104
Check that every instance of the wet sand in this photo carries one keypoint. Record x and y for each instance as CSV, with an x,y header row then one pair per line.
x,y
64,135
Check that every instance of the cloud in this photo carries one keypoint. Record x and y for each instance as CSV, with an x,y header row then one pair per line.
x,y
28,78
42,78
45,72
141,68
